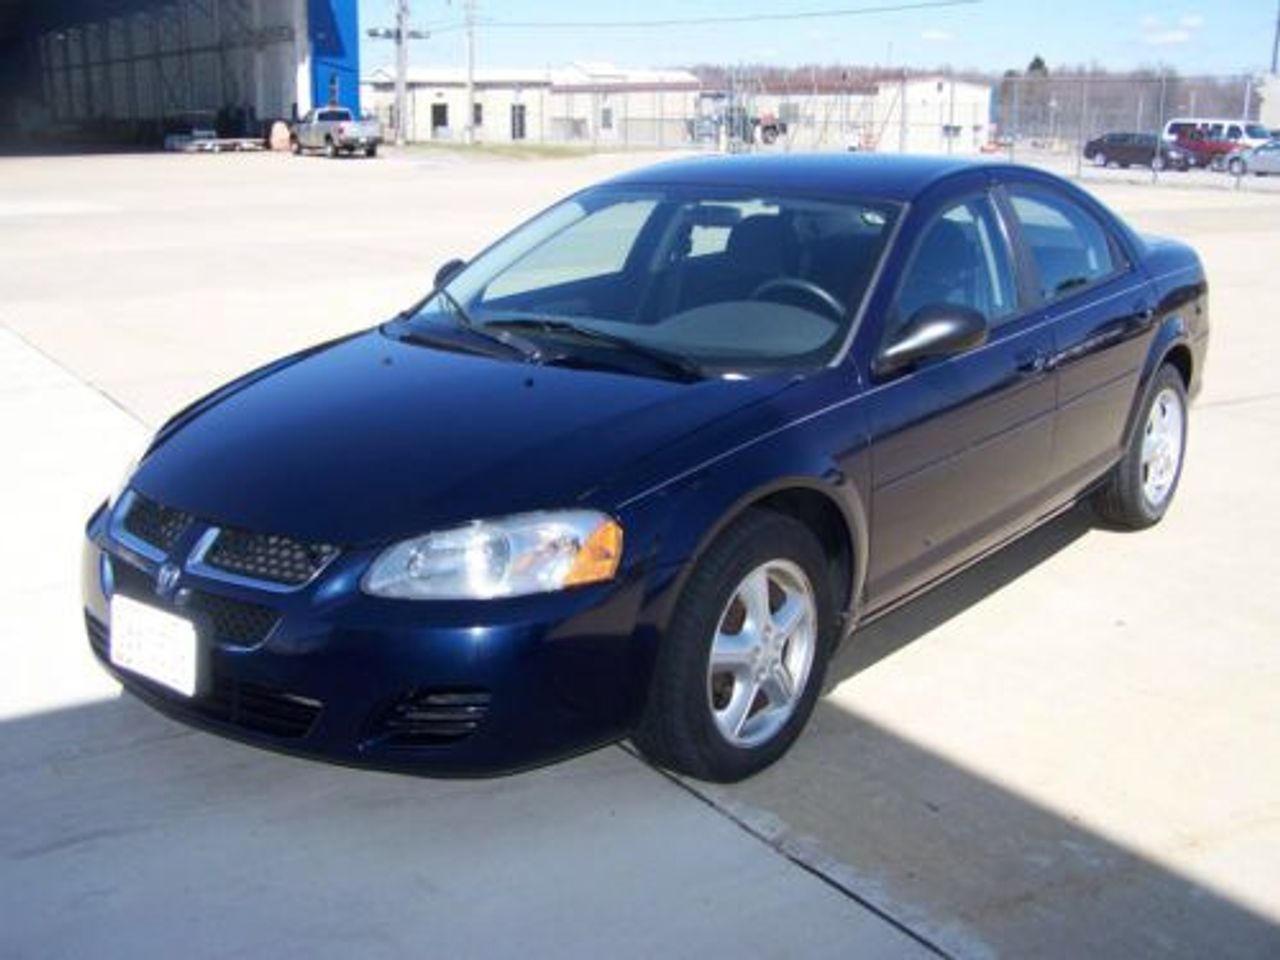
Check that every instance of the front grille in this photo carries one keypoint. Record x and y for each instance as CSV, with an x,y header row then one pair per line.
x,y
263,556
154,523
232,621
427,718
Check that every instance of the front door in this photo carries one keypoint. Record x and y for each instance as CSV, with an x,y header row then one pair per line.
x,y
439,119
517,121
961,444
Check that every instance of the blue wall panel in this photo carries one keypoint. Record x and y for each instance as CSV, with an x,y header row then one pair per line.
x,y
334,28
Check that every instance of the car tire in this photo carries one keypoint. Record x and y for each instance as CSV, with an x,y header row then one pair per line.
x,y
371,151
330,149
296,147
717,673
1141,486
1157,163
1100,160
1236,167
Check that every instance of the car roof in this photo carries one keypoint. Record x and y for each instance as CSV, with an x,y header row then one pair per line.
x,y
845,175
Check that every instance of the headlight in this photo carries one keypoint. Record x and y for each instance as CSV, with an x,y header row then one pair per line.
x,y
510,557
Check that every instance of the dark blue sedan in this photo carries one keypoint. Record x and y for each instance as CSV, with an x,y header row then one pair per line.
x,y
638,467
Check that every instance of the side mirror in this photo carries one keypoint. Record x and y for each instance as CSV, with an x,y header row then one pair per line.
x,y
448,271
935,330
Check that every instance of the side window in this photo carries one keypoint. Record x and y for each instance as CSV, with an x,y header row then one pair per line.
x,y
595,246
961,259
1070,248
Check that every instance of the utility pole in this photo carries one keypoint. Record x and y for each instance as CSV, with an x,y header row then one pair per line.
x,y
469,7
401,33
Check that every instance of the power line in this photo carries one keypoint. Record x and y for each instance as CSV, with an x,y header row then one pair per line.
x,y
732,18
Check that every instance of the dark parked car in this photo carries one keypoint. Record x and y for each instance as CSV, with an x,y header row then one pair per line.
x,y
637,468
1136,150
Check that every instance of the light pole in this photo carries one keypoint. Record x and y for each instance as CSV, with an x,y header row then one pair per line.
x,y
401,33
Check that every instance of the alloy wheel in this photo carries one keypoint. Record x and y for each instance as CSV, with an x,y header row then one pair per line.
x,y
1162,447
762,653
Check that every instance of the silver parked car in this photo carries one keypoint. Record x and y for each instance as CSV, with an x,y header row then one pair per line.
x,y
335,130
1260,160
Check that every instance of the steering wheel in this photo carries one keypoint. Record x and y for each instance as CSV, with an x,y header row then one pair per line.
x,y
804,286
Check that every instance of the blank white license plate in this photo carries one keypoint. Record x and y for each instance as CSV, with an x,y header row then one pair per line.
x,y
154,644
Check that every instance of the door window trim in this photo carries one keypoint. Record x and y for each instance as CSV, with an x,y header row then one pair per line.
x,y
1021,306
1122,262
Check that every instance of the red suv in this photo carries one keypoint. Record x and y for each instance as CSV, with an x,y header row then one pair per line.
x,y
1206,151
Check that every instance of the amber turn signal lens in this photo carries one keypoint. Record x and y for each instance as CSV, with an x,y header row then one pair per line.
x,y
598,558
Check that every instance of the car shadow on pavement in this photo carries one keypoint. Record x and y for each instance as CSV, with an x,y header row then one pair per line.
x,y
125,834
884,637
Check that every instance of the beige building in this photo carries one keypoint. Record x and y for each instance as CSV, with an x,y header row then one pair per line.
x,y
908,115
1269,112
588,103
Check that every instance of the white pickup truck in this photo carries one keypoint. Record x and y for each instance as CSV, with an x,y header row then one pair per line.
x,y
334,130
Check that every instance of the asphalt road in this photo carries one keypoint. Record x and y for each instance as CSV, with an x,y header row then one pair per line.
x,y
1071,748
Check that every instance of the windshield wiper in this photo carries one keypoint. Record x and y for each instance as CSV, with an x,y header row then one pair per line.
x,y
670,361
526,349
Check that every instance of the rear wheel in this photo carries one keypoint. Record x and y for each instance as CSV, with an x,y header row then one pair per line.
x,y
1236,167
296,146
330,148
742,664
1100,159
371,150
1142,484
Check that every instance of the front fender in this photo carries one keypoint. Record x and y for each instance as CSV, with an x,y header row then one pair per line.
x,y
686,514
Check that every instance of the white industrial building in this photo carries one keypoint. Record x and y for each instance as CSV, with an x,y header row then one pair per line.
x,y
898,115
590,103
602,105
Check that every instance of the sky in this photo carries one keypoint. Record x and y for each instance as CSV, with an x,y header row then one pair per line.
x,y
1195,37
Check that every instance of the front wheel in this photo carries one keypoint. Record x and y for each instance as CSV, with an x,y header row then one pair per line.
x,y
371,150
296,146
330,149
1100,159
1141,486
741,667
1236,167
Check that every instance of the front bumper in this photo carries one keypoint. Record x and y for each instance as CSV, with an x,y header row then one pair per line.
x,y
461,688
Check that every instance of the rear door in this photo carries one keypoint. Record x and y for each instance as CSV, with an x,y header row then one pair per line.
x,y
960,445
1101,309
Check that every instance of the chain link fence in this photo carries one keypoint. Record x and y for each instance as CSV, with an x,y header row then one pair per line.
x,y
1156,126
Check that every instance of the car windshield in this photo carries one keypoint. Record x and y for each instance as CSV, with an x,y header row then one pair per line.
x,y
728,284
1256,131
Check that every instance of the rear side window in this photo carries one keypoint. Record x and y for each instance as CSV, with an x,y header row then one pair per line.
x,y
1070,248
334,116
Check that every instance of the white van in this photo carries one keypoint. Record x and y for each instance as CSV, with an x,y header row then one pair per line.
x,y
1243,132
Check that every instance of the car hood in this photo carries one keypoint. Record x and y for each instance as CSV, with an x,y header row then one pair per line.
x,y
371,439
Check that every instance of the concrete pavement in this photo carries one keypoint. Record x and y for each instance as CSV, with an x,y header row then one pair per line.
x,y
1070,748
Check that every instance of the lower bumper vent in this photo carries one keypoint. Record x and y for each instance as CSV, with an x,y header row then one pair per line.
x,y
427,718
